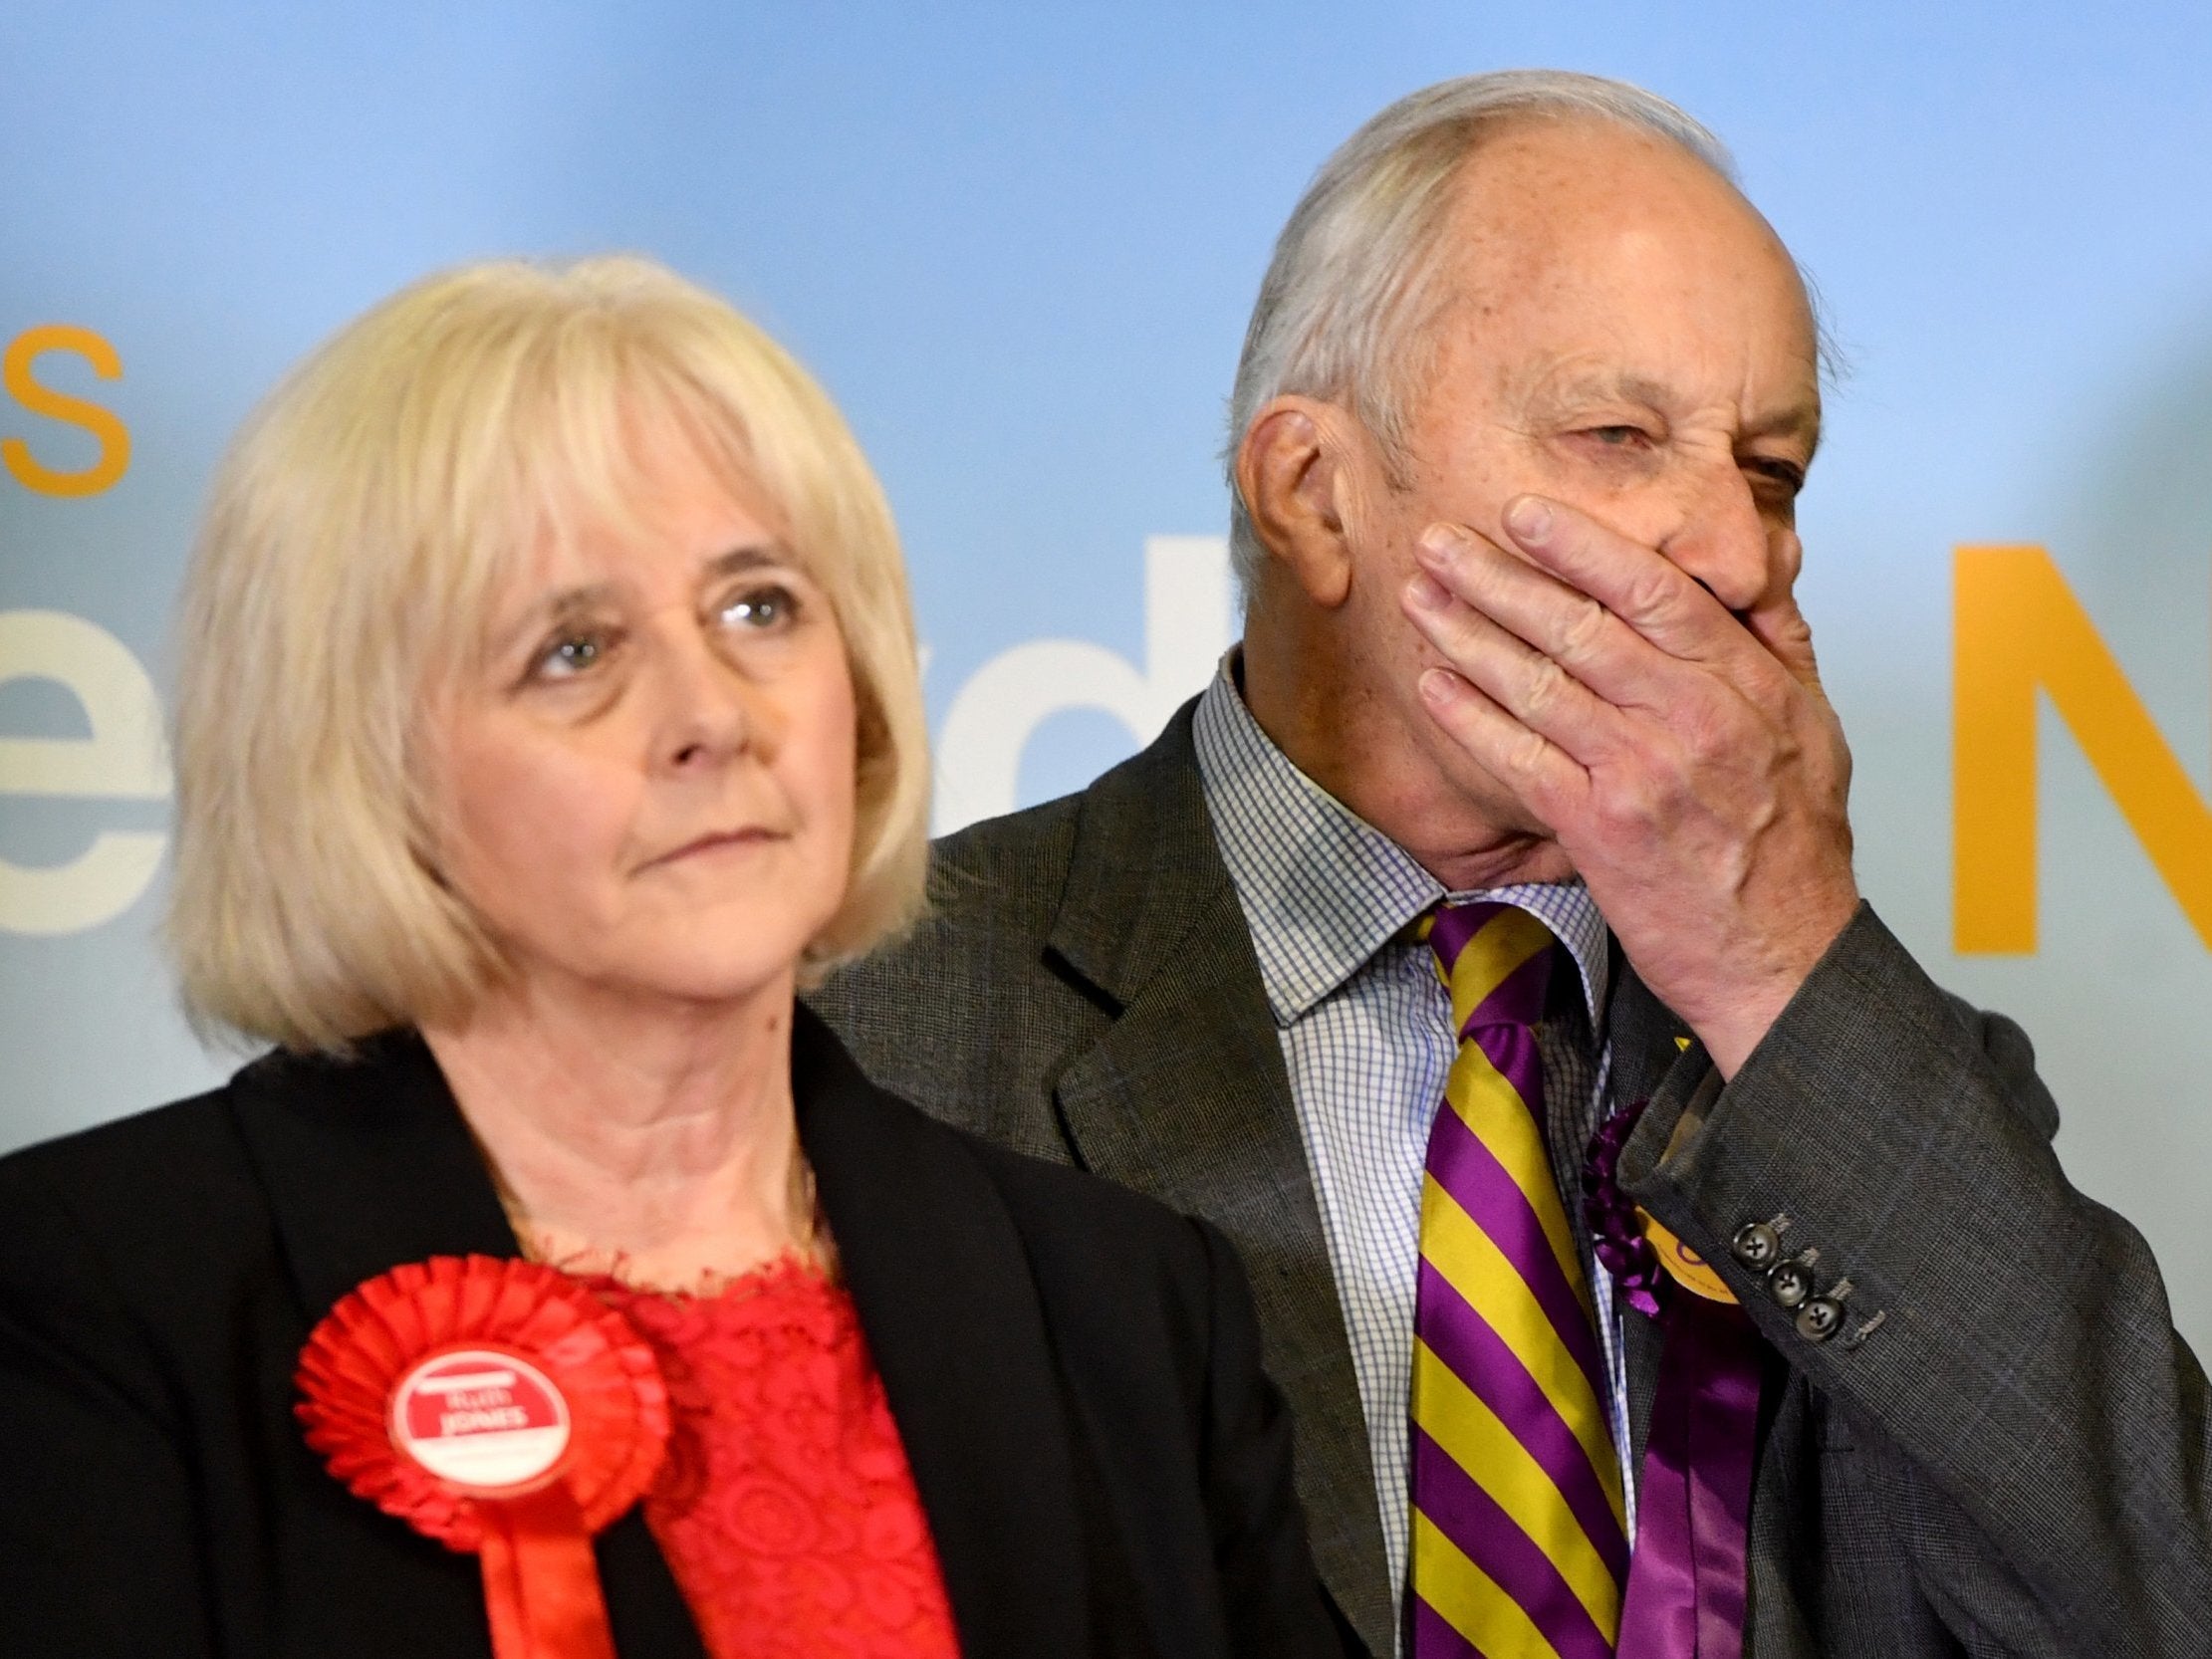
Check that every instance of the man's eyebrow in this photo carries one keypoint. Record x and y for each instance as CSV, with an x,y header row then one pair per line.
x,y
1798,420
1637,389
1560,390
1600,384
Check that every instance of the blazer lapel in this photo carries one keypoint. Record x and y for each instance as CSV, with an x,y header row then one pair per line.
x,y
937,1273
368,1164
1185,1096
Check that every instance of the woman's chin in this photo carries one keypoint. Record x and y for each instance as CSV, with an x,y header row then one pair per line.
x,y
675,983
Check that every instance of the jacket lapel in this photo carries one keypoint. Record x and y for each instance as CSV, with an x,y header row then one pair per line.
x,y
368,1164
938,1274
1185,1096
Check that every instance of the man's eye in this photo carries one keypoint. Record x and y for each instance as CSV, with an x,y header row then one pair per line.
x,y
762,609
1786,475
1620,437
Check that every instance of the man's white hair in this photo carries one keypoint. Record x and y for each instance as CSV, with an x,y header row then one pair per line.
x,y
1340,310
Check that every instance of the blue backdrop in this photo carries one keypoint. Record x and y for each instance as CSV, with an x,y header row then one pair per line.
x,y
1017,244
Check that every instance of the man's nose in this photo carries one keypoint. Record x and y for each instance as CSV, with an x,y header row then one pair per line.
x,y
1721,538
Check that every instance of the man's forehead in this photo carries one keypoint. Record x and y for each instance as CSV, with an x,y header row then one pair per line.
x,y
1584,261
1547,203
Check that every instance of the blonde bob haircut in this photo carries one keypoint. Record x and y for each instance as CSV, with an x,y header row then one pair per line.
x,y
359,532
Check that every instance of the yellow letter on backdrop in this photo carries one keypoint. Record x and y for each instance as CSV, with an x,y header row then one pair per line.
x,y
2018,627
114,435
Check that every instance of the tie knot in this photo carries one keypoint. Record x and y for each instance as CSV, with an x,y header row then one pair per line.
x,y
1497,960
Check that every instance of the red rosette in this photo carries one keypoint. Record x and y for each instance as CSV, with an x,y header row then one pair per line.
x,y
501,1408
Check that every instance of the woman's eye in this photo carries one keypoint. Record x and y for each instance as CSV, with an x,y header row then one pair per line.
x,y
571,655
763,608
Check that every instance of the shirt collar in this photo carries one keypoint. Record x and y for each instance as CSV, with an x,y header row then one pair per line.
x,y
1324,891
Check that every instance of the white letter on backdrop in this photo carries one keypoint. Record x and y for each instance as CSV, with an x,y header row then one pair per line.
x,y
1189,623
122,760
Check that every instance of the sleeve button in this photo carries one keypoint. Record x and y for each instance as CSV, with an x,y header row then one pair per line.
x,y
1790,1283
1756,1246
1818,1318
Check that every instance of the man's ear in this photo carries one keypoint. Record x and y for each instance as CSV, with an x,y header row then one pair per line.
x,y
1296,473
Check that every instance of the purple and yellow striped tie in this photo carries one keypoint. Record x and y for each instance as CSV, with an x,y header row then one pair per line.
x,y
1520,1547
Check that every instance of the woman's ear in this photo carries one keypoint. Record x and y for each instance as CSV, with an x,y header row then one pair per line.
x,y
1297,474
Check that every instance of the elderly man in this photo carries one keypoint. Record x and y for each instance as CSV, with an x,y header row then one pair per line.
x,y
1481,951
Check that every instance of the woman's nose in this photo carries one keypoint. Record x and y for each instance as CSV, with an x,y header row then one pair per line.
x,y
704,708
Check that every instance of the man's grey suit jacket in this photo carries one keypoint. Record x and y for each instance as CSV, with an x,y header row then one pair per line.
x,y
2015,1459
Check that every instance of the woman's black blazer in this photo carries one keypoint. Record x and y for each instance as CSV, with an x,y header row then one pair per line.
x,y
1075,1371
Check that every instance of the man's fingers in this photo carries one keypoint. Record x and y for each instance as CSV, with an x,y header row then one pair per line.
x,y
1781,629
1541,776
1536,687
1569,627
1643,588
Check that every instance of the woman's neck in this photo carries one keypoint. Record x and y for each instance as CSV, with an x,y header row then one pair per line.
x,y
651,1139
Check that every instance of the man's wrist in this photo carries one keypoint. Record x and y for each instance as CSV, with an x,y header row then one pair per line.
x,y
1742,1020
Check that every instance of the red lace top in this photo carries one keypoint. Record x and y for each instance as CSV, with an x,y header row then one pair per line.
x,y
787,1509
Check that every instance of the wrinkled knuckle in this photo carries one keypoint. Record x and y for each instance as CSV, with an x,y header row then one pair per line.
x,y
1584,629
1651,595
1527,753
1546,687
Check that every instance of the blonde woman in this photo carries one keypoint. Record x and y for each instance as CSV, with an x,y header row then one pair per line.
x,y
547,718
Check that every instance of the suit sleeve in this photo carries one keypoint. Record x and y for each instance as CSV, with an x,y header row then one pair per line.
x,y
98,1532
1274,1598
2007,1337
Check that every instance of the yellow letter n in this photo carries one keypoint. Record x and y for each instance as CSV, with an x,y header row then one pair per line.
x,y
2018,627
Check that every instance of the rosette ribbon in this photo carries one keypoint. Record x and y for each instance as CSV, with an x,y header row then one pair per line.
x,y
502,1409
1686,1596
